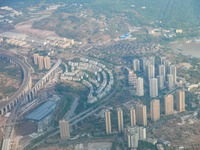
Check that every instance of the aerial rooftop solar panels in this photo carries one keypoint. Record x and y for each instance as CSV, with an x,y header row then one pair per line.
x,y
43,111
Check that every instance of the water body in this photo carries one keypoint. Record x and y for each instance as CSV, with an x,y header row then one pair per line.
x,y
188,48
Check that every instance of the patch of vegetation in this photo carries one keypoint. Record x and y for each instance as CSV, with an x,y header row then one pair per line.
x,y
142,145
66,91
10,71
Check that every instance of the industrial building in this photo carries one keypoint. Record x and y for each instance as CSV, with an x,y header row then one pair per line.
x,y
42,115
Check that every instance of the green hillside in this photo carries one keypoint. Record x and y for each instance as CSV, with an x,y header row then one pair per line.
x,y
172,13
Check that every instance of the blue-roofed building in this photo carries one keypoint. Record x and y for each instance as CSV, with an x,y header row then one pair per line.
x,y
125,36
122,37
42,115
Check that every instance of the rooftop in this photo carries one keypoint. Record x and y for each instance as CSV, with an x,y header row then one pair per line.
x,y
43,111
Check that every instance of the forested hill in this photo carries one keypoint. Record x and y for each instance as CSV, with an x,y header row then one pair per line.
x,y
163,13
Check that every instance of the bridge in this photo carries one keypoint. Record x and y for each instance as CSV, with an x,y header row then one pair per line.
x,y
24,88
23,95
26,92
33,91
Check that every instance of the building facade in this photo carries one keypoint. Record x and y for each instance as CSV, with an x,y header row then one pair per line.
x,y
155,110
136,65
108,122
35,58
153,87
120,120
140,87
132,116
134,134
172,70
169,104
170,81
151,72
47,62
180,100
141,115
41,62
160,80
64,129
161,69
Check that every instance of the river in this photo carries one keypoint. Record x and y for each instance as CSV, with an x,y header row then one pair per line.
x,y
190,48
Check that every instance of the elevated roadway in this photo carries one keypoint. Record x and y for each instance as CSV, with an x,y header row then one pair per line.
x,y
25,85
15,111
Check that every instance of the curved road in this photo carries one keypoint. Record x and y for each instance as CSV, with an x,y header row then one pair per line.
x,y
26,78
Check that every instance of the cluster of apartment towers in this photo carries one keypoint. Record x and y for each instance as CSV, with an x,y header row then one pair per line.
x,y
166,74
138,115
41,61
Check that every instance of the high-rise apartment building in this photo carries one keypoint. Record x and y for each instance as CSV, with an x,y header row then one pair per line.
x,y
136,65
167,67
153,87
162,60
151,72
180,100
132,116
170,81
146,62
35,58
140,87
160,80
155,110
64,129
134,134
132,78
133,139
152,60
108,122
141,115
169,104
47,62
41,62
120,120
172,70
161,69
